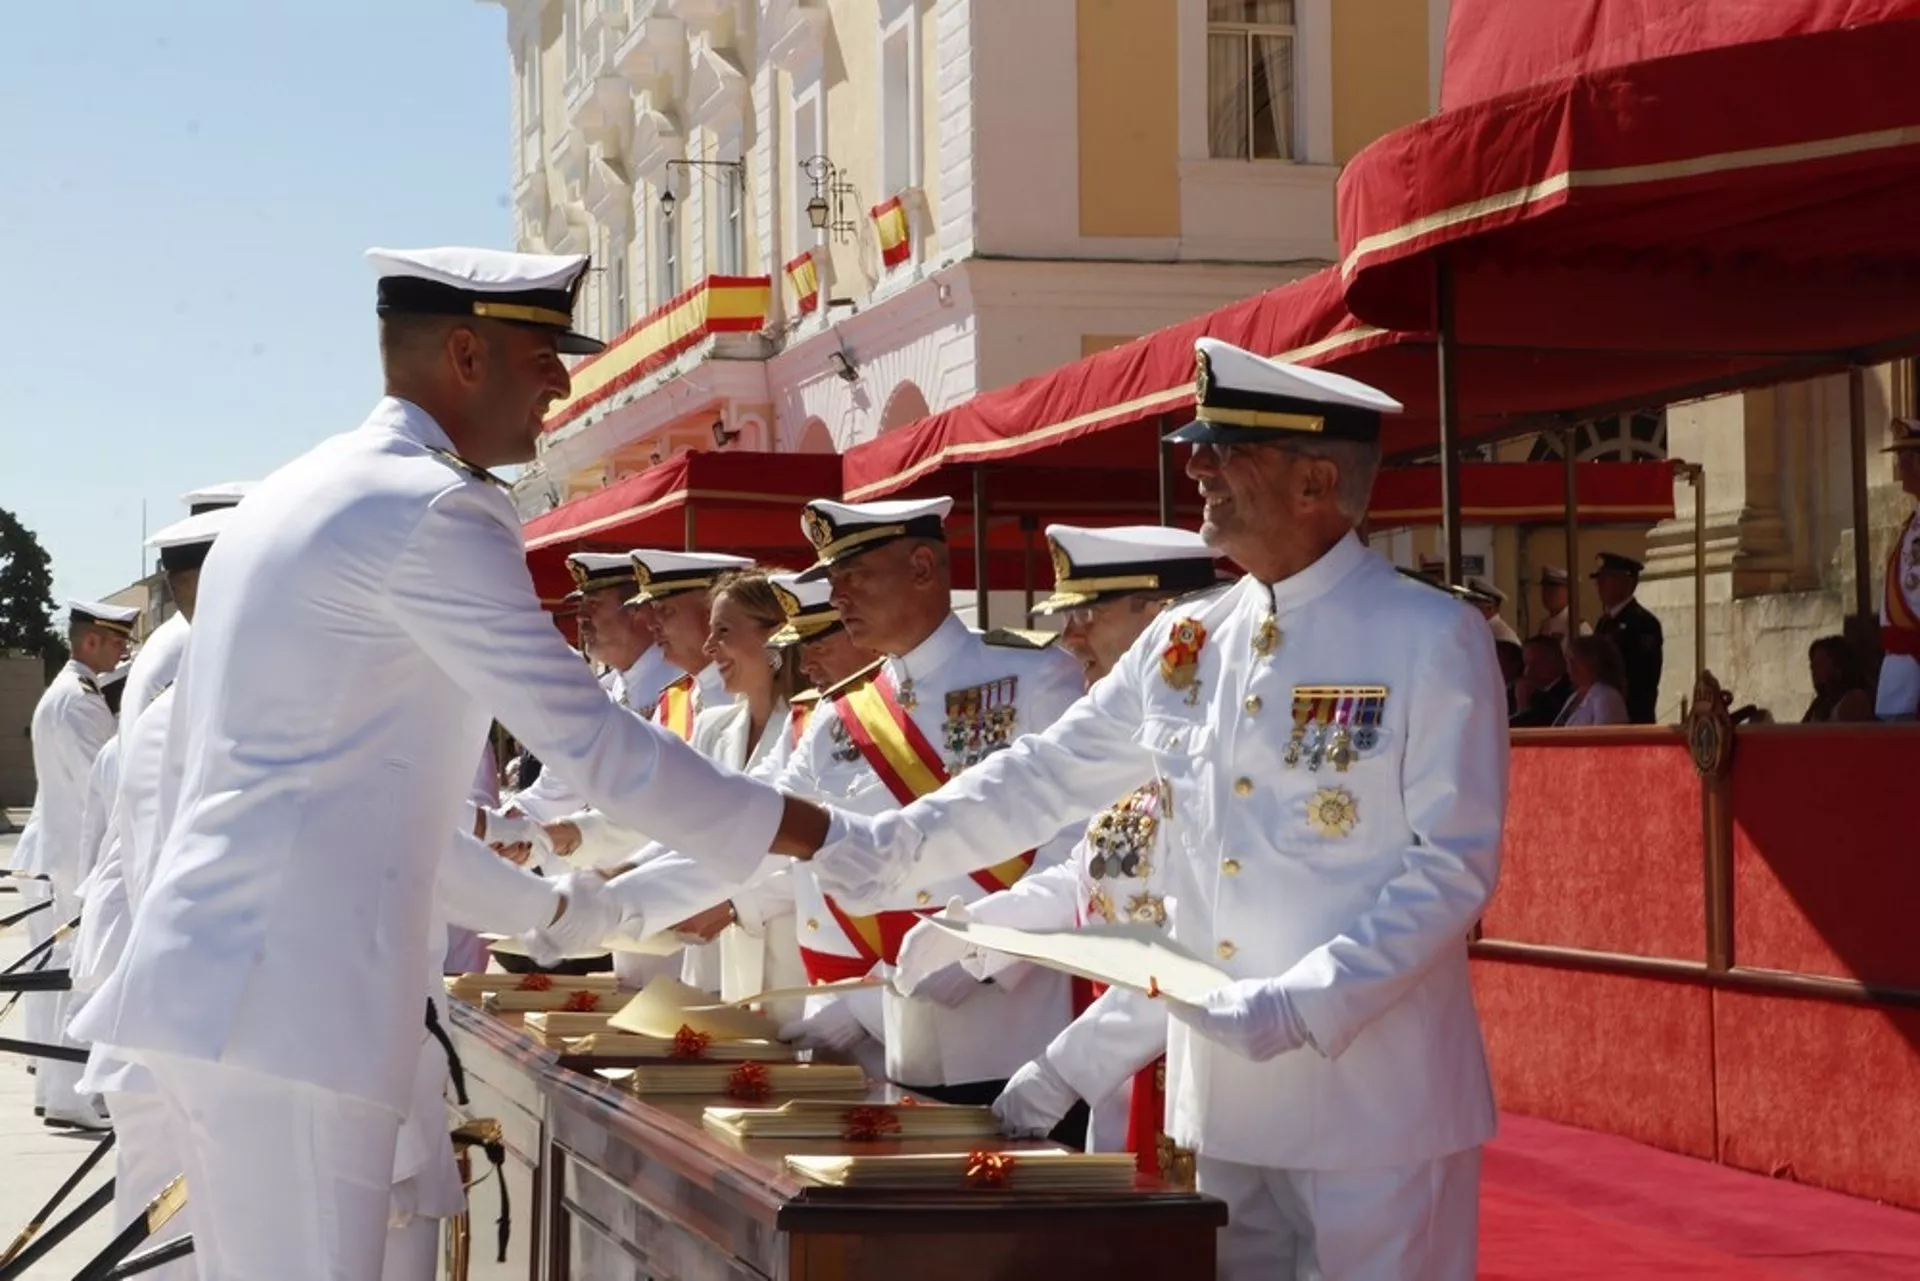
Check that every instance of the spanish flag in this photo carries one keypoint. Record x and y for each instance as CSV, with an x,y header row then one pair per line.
x,y
804,277
890,223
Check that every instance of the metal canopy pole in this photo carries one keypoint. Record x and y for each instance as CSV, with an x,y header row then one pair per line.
x,y
1857,439
1571,460
692,545
1696,475
1028,524
1449,417
980,548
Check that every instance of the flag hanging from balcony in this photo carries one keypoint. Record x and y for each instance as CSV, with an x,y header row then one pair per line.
x,y
890,223
804,277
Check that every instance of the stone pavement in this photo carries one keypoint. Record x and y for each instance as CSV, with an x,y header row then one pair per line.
x,y
33,1159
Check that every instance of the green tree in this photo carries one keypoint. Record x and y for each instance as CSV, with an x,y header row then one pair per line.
x,y
26,594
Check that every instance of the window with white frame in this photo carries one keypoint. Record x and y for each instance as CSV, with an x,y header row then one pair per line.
x,y
897,116
666,257
728,230
1250,103
806,144
570,22
617,311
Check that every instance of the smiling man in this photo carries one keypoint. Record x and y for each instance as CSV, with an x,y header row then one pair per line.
x,y
1331,739
361,621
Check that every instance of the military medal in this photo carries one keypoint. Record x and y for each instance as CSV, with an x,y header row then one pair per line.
x,y
908,699
1180,660
1333,811
1296,742
1266,638
1337,723
1147,909
980,721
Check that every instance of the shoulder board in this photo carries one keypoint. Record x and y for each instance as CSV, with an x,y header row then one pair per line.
x,y
804,698
859,678
679,682
471,470
1015,638
1204,593
87,683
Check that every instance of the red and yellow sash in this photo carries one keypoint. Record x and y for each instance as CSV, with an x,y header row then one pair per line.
x,y
799,712
1147,1099
674,711
1901,633
899,753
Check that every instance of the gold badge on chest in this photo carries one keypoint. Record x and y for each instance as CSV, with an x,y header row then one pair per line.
x,y
1334,723
1180,660
1120,844
1333,812
980,721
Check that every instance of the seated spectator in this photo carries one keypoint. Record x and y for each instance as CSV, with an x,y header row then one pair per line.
x,y
1513,663
1544,686
1840,690
1598,677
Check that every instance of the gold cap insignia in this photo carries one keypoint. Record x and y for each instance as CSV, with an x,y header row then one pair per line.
x,y
818,529
579,573
1062,567
789,603
1202,378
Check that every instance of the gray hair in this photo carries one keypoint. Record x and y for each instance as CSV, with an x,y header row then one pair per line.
x,y
1358,463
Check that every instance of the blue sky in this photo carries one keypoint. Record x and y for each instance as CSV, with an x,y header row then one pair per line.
x,y
188,191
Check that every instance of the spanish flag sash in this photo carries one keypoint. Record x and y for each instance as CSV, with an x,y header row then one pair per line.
x,y
674,712
906,762
799,712
1901,633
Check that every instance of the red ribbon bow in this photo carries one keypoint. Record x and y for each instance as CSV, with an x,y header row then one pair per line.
x,y
749,1082
689,1044
535,983
582,1001
989,1169
865,1125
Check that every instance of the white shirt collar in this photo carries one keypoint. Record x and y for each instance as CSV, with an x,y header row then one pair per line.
x,y
1613,610
930,655
404,418
1316,580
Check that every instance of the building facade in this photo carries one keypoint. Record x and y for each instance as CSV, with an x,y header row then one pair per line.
x,y
814,221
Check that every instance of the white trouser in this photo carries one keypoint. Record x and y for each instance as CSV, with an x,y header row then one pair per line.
x,y
412,1252
1416,1222
55,1082
36,1008
288,1181
145,1160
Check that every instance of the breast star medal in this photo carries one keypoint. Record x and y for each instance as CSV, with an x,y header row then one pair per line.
x,y
1180,660
1333,812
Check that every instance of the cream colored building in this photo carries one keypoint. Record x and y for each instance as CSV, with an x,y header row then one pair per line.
x,y
1069,174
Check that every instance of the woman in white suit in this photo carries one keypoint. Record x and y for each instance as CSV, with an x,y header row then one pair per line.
x,y
747,942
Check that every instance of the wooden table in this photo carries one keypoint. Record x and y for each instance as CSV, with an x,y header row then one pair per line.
x,y
628,1189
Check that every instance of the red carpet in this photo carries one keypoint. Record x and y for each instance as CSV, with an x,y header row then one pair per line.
x,y
1560,1204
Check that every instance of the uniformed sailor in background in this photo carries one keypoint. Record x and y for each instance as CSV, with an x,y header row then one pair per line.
x,y
158,659
1555,595
827,654
1109,584
943,700
1333,740
147,1156
71,723
1490,600
1634,630
362,621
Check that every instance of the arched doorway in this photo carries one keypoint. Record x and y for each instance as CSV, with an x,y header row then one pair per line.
x,y
814,438
906,405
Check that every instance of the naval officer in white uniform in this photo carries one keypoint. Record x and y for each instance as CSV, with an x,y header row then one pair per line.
x,y
158,660
366,616
1333,739
71,723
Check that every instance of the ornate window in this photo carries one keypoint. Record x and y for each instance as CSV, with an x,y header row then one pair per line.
x,y
1250,98
1623,439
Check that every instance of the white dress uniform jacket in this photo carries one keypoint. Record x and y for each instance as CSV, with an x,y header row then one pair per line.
x,y
1010,1021
103,922
71,724
154,668
1357,888
359,626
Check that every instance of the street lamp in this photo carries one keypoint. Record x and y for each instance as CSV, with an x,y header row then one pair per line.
x,y
827,208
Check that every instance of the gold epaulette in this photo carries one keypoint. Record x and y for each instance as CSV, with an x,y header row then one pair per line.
x,y
1016,638
859,678
1200,594
465,468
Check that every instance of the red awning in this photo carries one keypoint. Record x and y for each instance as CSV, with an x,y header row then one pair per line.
x,y
746,504
1709,219
1527,494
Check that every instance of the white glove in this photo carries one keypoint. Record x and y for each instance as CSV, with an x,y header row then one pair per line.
x,y
514,829
1252,1017
863,858
1035,1101
949,987
928,949
591,914
832,1027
